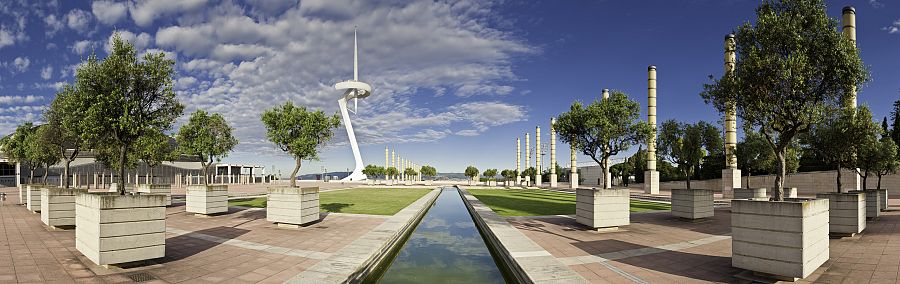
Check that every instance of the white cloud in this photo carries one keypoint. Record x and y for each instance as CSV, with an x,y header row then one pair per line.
x,y
893,28
47,72
54,24
143,12
140,41
21,63
109,12
876,4
83,46
240,61
5,100
7,38
78,20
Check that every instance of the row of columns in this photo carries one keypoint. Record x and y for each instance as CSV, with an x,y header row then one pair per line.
x,y
391,159
536,151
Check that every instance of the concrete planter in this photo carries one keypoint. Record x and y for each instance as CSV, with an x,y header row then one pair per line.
x,y
790,192
207,199
58,206
873,203
113,229
407,182
370,182
602,208
787,239
847,212
692,203
33,196
752,193
883,197
163,189
492,183
114,187
429,182
292,206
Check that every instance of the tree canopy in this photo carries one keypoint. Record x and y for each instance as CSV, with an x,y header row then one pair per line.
x,y
841,138
471,172
39,152
207,137
65,119
686,144
603,128
793,67
299,132
490,173
126,98
429,171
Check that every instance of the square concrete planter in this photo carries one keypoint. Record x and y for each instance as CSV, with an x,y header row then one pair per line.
x,y
114,187
429,182
883,197
873,203
492,183
114,229
790,192
602,208
752,193
33,196
692,203
206,199
163,189
292,206
370,182
58,206
407,182
847,211
786,240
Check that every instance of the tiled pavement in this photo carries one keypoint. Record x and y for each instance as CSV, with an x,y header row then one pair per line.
x,y
237,247
658,248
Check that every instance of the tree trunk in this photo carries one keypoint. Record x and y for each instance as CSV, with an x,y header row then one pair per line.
x,y
66,173
46,173
747,186
31,175
778,190
294,173
879,182
864,177
205,173
122,153
839,178
688,180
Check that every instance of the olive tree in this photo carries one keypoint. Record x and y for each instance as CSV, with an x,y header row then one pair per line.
x,y
410,172
793,67
39,152
299,132
65,122
603,128
428,171
373,171
207,137
840,139
889,159
686,144
125,99
490,174
391,172
471,172
15,148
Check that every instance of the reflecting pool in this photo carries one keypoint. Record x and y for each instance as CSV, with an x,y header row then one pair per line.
x,y
445,247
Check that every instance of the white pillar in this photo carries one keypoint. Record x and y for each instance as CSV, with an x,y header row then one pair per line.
x,y
607,178
537,156
527,157
573,167
731,175
518,161
848,20
651,176
553,153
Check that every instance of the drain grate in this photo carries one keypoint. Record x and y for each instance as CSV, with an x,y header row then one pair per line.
x,y
141,277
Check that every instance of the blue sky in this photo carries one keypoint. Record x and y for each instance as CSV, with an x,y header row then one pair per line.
x,y
455,82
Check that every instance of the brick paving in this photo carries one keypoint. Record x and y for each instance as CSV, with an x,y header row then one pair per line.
x,y
659,248
237,247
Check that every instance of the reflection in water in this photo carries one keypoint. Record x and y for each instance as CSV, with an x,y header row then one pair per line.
x,y
445,248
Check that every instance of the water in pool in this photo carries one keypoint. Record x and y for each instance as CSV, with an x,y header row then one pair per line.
x,y
444,248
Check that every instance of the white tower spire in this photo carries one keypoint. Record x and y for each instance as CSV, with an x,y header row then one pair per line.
x,y
353,89
355,57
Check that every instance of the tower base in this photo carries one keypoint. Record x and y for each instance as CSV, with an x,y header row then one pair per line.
x,y
553,180
731,179
537,180
651,182
573,180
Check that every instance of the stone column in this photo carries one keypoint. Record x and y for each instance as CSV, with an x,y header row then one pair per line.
x,y
552,153
731,175
518,161
849,29
527,156
607,178
573,167
651,176
386,161
394,161
537,156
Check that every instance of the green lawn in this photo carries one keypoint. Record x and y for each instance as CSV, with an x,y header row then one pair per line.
x,y
533,202
375,201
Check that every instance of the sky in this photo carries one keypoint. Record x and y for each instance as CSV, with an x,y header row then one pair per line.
x,y
455,82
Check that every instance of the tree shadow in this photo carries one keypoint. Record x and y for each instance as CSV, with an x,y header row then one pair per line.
x,y
183,246
334,207
695,266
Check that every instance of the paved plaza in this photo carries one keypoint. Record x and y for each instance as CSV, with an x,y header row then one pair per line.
x,y
242,247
